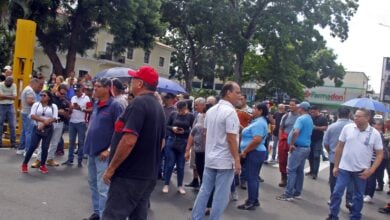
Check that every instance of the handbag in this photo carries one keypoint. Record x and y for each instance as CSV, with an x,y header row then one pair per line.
x,y
44,132
179,144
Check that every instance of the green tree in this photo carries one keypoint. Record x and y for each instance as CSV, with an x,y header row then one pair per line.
x,y
193,30
6,37
70,26
247,21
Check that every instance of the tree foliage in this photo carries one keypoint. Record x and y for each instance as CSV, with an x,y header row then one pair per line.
x,y
70,26
193,30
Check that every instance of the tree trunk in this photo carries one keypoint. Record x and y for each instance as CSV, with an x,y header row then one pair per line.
x,y
70,60
238,67
51,53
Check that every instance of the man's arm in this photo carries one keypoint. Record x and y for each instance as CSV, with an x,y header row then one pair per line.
x,y
293,139
378,160
125,146
338,153
233,147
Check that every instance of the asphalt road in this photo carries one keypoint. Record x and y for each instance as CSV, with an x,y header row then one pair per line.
x,y
64,194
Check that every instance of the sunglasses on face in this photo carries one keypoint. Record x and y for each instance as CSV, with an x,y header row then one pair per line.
x,y
43,95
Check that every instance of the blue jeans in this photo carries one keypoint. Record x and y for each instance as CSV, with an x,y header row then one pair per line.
x,y
25,135
344,178
35,139
7,111
221,180
274,146
332,183
315,156
78,129
173,157
253,162
295,168
98,188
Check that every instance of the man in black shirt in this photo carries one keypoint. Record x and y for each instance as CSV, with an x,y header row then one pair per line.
x,y
320,126
135,150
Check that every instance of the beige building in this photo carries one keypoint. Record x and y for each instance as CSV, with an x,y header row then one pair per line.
x,y
101,57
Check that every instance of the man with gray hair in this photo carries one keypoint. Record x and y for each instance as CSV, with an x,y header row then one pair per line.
x,y
7,109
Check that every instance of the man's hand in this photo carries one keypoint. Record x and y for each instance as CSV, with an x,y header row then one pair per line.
x,y
365,174
292,148
107,176
104,155
335,171
237,167
243,154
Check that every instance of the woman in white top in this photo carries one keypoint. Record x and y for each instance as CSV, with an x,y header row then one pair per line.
x,y
43,113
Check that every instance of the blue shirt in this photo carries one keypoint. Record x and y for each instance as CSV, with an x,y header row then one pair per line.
x,y
331,137
101,126
258,127
305,125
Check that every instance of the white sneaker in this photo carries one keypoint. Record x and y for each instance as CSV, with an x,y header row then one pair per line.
x,y
165,189
19,152
234,196
181,190
367,199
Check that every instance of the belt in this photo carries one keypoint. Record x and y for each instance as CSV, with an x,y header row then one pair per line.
x,y
58,121
301,146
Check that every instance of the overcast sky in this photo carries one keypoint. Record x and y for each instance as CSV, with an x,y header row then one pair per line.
x,y
368,41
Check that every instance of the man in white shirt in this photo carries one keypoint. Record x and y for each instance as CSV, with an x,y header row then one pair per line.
x,y
222,159
357,143
7,109
77,124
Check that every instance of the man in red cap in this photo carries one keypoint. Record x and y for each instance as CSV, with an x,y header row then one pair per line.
x,y
135,150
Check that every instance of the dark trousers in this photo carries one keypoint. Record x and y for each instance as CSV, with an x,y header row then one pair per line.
x,y
35,139
380,172
128,198
315,156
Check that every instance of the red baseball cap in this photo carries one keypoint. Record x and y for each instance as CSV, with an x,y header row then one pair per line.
x,y
146,74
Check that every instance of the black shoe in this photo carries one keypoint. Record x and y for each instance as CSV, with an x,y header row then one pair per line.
x,y
243,185
385,210
379,189
325,159
79,165
330,217
193,183
314,177
257,203
261,179
388,192
308,173
94,216
68,163
246,206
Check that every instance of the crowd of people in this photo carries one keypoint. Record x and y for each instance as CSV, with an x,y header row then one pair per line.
x,y
130,141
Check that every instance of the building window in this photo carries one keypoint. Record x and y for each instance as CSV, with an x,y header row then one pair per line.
x,y
130,52
146,57
161,61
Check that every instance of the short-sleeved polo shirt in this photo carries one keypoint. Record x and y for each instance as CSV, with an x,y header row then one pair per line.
x,y
144,117
220,120
304,124
258,127
359,147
